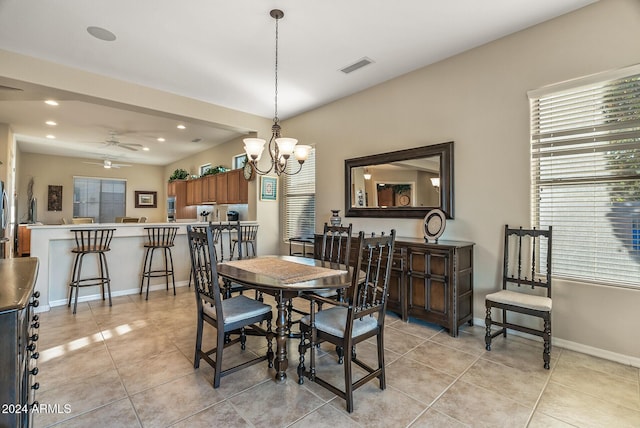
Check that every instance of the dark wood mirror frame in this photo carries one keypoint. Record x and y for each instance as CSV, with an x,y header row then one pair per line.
x,y
443,150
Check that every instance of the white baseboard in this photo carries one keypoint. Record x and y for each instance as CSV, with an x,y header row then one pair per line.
x,y
577,347
98,296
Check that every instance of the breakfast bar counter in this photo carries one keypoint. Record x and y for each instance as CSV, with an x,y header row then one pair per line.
x,y
52,245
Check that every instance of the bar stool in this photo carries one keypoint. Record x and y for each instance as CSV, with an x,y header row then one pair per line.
x,y
159,237
247,236
90,241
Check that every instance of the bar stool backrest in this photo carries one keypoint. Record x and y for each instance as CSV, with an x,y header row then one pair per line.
x,y
221,233
92,240
161,236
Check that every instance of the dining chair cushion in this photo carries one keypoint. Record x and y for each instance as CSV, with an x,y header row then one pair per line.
x,y
238,308
508,297
326,292
334,321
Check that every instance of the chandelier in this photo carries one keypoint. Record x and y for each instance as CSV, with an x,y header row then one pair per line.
x,y
280,148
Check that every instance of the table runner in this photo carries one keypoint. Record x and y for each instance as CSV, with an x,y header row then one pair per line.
x,y
286,271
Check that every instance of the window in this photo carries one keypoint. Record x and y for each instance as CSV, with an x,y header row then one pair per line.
x,y
102,199
238,161
299,202
204,168
585,160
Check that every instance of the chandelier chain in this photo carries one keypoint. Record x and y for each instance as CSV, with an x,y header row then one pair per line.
x,y
275,118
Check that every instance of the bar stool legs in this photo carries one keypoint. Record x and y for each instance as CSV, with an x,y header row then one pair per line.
x,y
148,272
90,241
160,238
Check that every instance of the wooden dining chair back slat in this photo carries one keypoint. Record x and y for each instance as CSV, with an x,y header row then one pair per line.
x,y
336,244
360,317
231,316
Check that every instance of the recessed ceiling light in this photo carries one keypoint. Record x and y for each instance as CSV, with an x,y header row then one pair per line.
x,y
51,123
51,137
161,139
101,33
146,149
181,127
51,102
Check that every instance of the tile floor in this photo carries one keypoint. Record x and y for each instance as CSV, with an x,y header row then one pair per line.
x,y
131,365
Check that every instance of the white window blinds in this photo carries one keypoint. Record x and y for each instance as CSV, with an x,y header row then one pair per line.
x,y
299,207
585,160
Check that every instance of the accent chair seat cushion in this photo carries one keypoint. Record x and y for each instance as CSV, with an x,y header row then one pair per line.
x,y
530,301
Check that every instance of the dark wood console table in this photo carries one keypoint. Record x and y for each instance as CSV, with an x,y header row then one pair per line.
x,y
431,282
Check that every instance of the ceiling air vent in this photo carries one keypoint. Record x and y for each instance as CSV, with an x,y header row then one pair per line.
x,y
357,65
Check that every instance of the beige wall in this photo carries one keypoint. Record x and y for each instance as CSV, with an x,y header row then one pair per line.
x,y
58,170
479,100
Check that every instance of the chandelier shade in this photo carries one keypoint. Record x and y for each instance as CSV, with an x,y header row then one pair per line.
x,y
280,148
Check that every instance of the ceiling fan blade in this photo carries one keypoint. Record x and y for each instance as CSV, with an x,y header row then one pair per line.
x,y
119,165
128,147
93,163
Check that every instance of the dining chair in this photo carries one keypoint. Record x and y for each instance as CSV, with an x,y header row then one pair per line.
x,y
526,263
360,317
229,317
247,235
336,248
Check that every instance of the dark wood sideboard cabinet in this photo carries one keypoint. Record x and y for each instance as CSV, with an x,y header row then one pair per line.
x,y
429,281
19,332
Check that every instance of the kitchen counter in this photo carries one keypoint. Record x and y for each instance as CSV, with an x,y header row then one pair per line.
x,y
52,245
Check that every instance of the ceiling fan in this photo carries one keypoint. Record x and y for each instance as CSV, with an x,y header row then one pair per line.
x,y
113,141
108,164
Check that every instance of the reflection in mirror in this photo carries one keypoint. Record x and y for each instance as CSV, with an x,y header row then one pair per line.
x,y
397,184
405,183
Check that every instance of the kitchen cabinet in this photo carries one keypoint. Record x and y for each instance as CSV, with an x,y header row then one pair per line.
x,y
221,188
224,188
194,191
429,281
24,240
237,187
232,188
209,191
178,188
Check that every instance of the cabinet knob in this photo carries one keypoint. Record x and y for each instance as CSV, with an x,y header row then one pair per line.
x,y
34,371
35,385
34,337
36,318
35,303
31,347
36,294
35,355
35,405
35,325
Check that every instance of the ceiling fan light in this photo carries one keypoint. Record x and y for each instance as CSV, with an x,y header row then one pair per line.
x,y
107,164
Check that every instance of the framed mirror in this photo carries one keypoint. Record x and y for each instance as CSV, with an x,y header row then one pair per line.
x,y
405,183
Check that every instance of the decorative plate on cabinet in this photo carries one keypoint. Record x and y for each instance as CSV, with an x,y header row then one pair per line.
x,y
434,223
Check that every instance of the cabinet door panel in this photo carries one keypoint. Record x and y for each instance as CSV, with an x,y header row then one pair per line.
x,y
437,297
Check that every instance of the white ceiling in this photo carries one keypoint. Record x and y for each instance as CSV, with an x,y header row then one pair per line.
x,y
222,52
